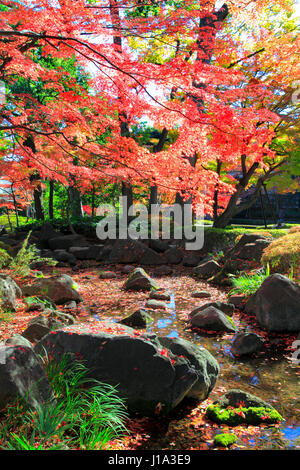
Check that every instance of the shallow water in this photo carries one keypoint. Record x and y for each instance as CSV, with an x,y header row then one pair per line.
x,y
273,378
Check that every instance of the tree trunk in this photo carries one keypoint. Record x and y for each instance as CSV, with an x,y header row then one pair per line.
x,y
51,194
75,204
38,204
37,192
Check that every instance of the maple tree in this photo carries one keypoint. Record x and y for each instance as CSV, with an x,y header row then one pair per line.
x,y
194,83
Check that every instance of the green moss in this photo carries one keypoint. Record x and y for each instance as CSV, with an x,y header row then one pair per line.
x,y
225,440
236,416
230,321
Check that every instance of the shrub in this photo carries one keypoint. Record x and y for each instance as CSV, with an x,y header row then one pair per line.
x,y
86,414
225,440
236,416
248,284
26,256
294,229
5,258
284,253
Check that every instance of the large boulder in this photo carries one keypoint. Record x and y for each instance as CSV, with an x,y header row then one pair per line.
x,y
18,340
152,258
65,256
148,375
173,255
127,251
66,241
158,245
212,319
87,252
276,304
9,292
59,289
140,280
22,375
206,366
253,251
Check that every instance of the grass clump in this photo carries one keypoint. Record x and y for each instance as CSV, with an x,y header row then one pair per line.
x,y
235,416
26,256
225,440
248,284
86,414
283,254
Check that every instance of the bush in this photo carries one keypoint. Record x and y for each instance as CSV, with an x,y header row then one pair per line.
x,y
85,415
283,254
236,416
294,229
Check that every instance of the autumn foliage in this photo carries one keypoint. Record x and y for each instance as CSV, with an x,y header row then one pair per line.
x,y
179,65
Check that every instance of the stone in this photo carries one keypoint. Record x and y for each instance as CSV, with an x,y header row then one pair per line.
x,y
87,252
236,397
34,306
160,295
158,245
70,305
203,294
191,259
148,375
22,376
207,269
139,319
66,241
205,365
107,275
173,255
59,289
9,292
127,251
163,270
48,321
128,268
156,304
18,340
65,256
226,308
151,258
246,344
253,251
212,319
276,304
237,300
140,280
46,233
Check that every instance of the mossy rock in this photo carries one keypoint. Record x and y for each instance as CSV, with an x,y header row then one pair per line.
x,y
236,416
225,440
